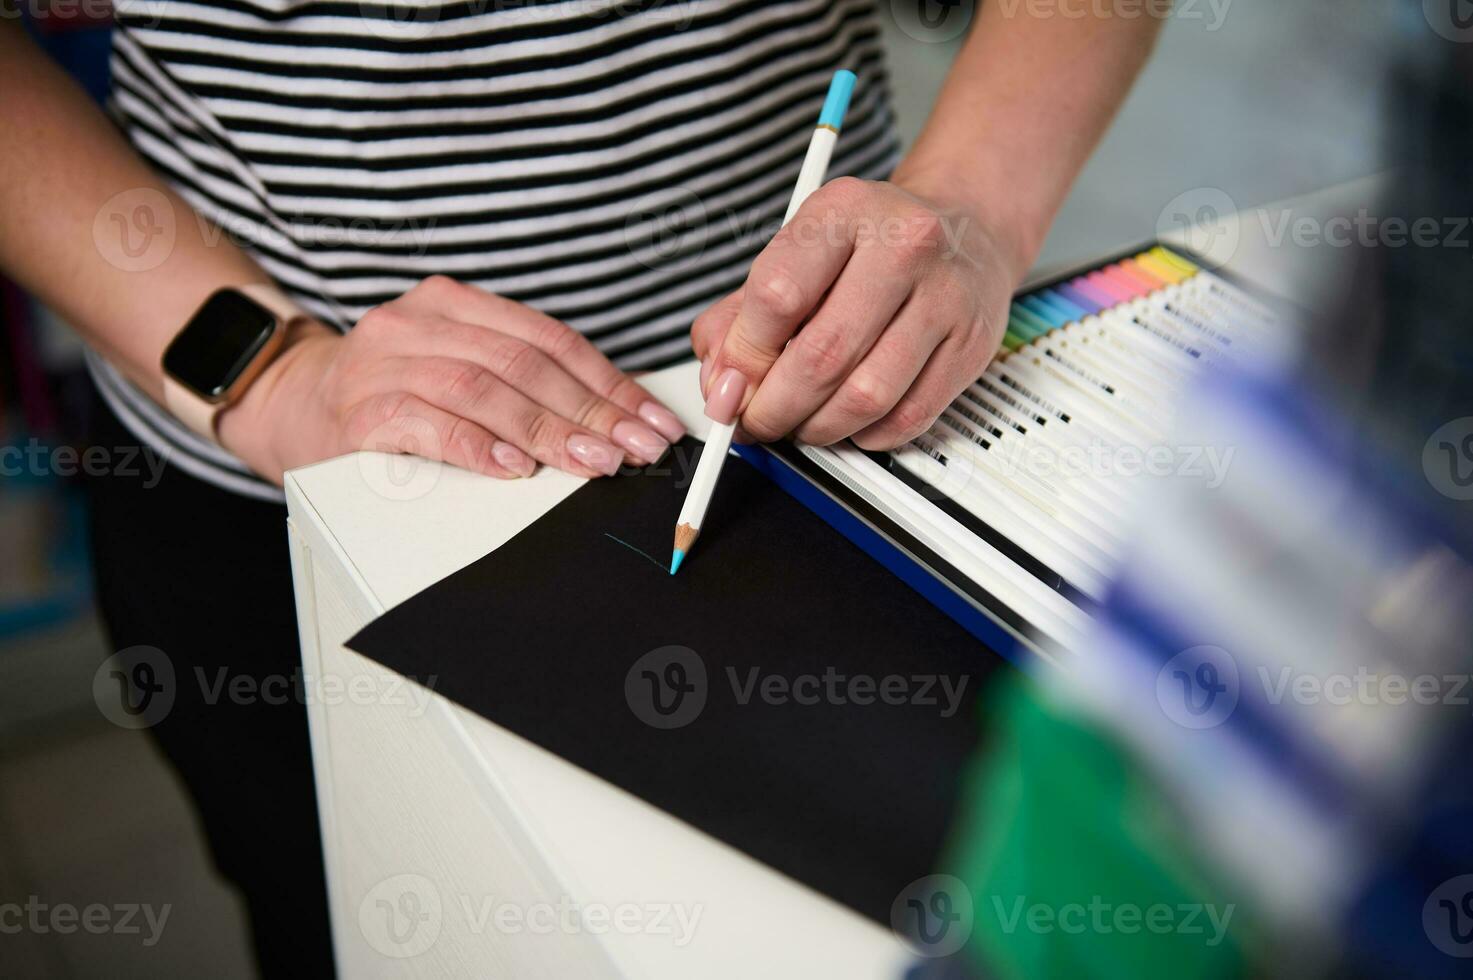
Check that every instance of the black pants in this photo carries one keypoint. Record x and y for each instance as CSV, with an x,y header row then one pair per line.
x,y
203,575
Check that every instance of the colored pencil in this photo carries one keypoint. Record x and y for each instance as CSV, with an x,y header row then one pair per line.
x,y
718,439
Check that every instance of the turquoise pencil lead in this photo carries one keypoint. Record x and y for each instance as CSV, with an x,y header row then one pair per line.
x,y
675,560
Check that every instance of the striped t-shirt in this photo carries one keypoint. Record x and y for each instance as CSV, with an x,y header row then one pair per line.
x,y
615,164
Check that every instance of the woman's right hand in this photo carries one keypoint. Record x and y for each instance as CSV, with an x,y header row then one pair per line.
x,y
450,372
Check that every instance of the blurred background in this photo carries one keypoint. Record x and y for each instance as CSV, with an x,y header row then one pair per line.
x,y
1261,101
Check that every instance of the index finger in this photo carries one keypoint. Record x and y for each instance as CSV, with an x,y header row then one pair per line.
x,y
572,351
786,284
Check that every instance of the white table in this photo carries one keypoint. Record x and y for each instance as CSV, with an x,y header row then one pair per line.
x,y
455,848
484,819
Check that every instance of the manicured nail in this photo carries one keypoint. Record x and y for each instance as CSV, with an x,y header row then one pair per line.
x,y
726,396
512,459
595,453
663,420
705,373
643,443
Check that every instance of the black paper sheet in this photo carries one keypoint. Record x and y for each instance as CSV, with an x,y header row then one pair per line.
x,y
784,693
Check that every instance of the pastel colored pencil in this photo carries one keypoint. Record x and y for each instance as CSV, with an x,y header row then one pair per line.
x,y
718,438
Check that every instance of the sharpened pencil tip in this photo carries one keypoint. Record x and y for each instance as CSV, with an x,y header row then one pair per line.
x,y
675,559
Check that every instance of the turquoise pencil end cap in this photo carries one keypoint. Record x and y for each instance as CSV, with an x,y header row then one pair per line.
x,y
675,560
837,103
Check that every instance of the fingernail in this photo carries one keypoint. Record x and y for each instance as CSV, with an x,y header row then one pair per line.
x,y
663,420
705,373
726,396
640,441
595,453
512,459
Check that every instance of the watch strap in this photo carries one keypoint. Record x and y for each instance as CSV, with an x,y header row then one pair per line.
x,y
274,300
188,407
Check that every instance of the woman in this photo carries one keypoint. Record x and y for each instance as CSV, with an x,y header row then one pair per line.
x,y
457,219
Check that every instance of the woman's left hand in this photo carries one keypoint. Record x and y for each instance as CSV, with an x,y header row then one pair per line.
x,y
863,317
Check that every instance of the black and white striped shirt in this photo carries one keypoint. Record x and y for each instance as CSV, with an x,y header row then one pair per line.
x,y
616,164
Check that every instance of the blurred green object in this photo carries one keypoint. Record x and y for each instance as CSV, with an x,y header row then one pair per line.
x,y
1076,863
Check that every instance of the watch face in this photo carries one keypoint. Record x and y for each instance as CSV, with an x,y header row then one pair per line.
x,y
219,343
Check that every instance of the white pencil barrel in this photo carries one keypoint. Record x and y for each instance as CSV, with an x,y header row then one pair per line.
x,y
718,441
815,168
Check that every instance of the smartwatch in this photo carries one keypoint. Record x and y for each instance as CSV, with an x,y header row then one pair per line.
x,y
221,350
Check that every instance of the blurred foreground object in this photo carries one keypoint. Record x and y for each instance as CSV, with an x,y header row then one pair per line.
x,y
1272,722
